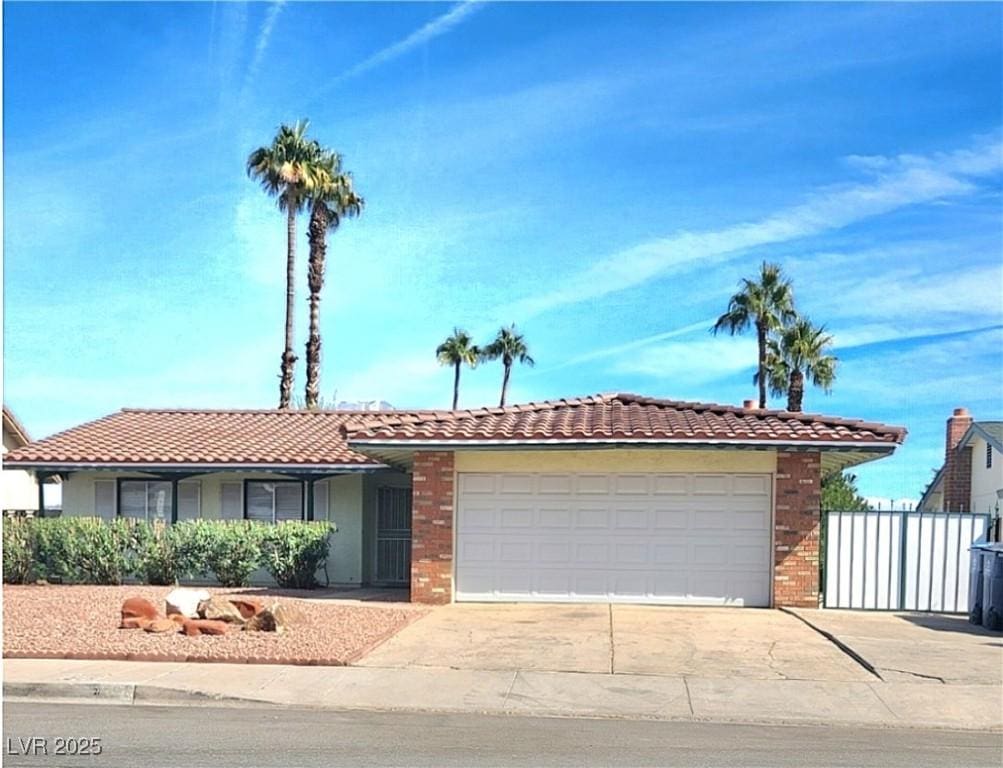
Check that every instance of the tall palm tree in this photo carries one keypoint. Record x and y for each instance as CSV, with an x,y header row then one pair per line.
x,y
332,200
288,170
458,350
767,304
801,350
509,346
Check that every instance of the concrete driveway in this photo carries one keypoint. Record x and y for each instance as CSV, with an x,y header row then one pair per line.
x,y
917,647
642,640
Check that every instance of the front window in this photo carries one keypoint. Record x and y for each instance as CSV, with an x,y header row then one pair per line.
x,y
989,456
274,501
145,500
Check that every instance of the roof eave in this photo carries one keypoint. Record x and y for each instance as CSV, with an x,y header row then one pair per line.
x,y
202,467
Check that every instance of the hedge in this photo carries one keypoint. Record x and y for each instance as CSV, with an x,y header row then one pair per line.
x,y
81,550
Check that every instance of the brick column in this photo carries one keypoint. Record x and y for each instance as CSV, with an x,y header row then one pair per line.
x,y
432,528
797,525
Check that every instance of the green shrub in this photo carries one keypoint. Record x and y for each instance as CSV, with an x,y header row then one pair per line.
x,y
233,551
83,550
18,550
155,552
292,552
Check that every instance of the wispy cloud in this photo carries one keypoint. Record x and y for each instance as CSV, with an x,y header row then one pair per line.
x,y
437,27
261,47
896,182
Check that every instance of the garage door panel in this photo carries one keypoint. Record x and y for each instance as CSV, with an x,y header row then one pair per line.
x,y
641,538
592,517
560,485
592,484
631,485
476,483
636,519
517,517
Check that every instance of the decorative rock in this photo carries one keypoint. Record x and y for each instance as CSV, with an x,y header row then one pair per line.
x,y
248,606
220,609
277,617
135,622
194,627
161,625
186,601
136,612
263,621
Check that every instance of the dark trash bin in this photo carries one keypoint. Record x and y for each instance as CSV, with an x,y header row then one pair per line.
x,y
975,580
992,587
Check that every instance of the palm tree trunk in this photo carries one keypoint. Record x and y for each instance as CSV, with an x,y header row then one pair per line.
x,y
761,340
504,394
456,385
795,393
318,251
288,358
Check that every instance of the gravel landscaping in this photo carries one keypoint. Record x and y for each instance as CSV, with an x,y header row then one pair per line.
x,y
81,622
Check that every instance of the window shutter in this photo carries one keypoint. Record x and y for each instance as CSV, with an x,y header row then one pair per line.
x,y
230,507
104,498
260,502
189,500
288,501
321,498
132,499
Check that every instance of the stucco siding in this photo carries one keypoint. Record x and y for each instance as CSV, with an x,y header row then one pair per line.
x,y
616,460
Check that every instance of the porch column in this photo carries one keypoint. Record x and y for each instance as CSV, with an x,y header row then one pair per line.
x,y
432,528
797,521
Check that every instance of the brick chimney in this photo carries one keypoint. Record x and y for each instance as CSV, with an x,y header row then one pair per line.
x,y
957,464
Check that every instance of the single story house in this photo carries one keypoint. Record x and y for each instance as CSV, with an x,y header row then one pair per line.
x,y
612,497
18,489
971,477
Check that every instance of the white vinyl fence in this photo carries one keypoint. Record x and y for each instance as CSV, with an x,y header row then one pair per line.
x,y
899,561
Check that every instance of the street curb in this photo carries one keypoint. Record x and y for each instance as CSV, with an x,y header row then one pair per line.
x,y
130,694
115,693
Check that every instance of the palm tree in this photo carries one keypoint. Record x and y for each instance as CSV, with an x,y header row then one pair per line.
x,y
801,350
287,170
768,305
509,346
332,200
458,350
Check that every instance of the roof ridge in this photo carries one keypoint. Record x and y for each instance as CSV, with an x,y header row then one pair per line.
x,y
439,416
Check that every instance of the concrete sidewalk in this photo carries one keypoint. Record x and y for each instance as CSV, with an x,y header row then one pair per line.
x,y
521,692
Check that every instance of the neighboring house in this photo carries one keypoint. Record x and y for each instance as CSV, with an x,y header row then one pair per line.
x,y
18,488
971,478
611,497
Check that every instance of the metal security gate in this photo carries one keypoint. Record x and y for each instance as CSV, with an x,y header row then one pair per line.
x,y
393,536
899,561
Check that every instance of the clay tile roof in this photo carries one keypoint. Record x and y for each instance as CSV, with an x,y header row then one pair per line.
x,y
14,426
619,416
165,437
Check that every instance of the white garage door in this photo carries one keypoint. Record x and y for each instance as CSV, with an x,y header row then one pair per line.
x,y
697,539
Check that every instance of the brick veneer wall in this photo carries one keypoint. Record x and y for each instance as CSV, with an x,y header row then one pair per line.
x,y
797,527
432,528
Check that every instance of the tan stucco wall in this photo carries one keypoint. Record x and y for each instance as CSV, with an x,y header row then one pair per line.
x,y
616,460
344,510
985,482
18,489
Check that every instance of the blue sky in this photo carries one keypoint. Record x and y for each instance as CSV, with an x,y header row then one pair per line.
x,y
601,175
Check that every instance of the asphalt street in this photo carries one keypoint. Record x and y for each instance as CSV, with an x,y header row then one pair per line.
x,y
220,737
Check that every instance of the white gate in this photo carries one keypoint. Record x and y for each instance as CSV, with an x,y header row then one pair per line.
x,y
899,561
